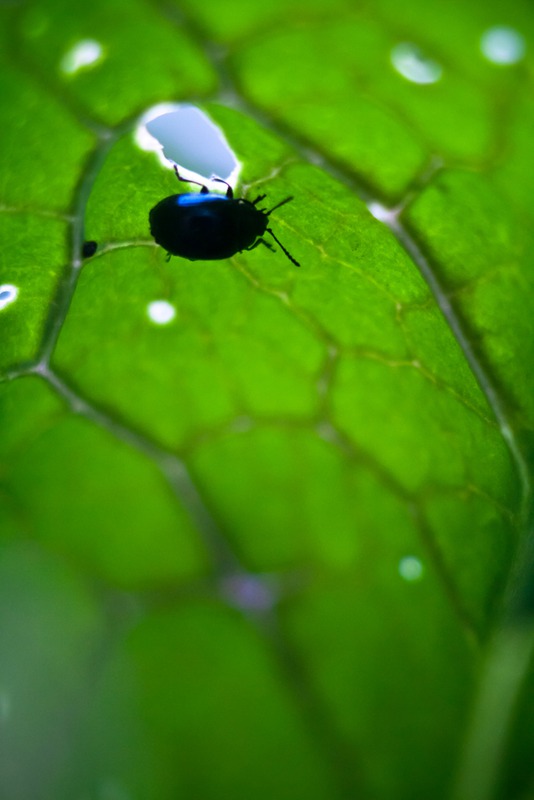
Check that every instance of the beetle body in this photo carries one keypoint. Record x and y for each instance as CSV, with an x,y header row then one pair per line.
x,y
203,227
207,226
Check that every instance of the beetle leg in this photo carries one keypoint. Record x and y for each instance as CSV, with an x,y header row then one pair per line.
x,y
168,258
261,241
259,199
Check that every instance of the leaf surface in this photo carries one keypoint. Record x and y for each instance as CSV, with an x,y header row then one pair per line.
x,y
274,546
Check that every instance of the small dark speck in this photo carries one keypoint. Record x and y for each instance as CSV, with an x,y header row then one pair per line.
x,y
89,249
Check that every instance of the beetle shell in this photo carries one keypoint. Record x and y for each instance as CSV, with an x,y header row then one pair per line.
x,y
205,227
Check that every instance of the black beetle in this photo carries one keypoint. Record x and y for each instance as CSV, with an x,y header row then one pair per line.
x,y
207,226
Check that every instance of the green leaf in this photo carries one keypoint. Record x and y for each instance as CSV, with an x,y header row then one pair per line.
x,y
278,546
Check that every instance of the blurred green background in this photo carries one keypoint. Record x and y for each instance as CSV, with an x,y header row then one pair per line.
x,y
276,547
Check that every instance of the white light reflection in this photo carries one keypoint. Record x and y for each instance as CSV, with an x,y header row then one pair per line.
x,y
381,213
502,45
410,62
84,54
161,312
411,568
8,294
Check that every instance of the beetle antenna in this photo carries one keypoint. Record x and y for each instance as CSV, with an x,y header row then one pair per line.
x,y
229,190
281,203
204,189
279,243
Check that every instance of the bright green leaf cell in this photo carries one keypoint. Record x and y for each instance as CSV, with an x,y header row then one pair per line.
x,y
514,171
274,364
33,258
129,183
356,290
475,537
439,111
213,362
29,409
507,347
239,19
171,370
79,491
442,450
31,118
461,220
306,501
483,253
136,64
438,354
